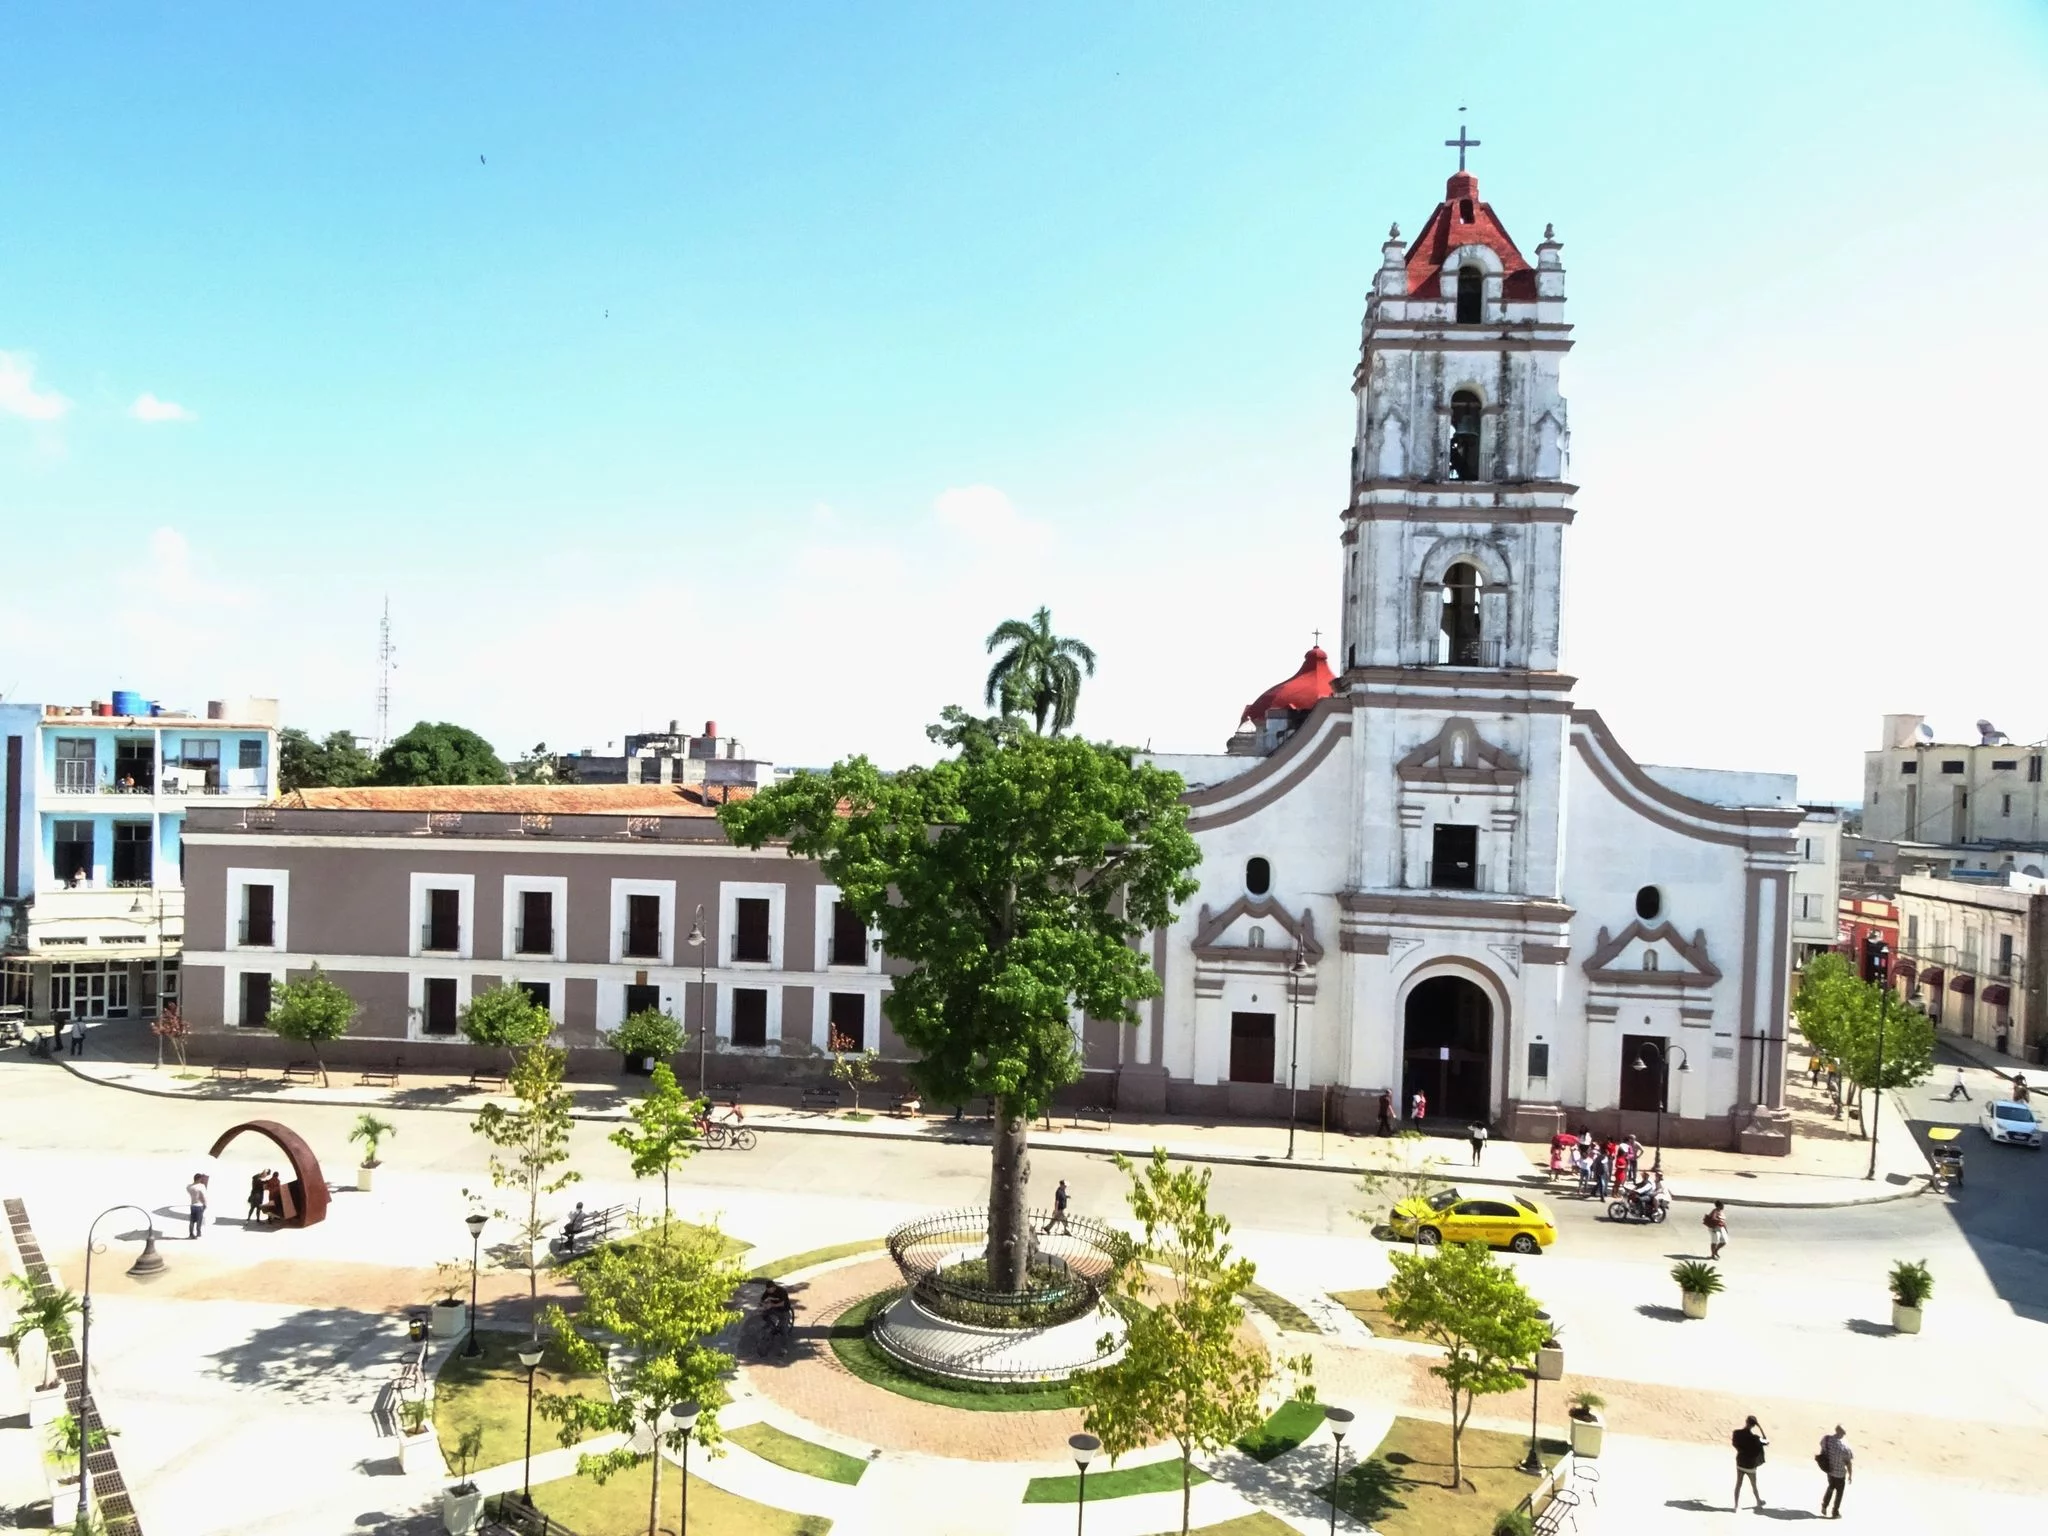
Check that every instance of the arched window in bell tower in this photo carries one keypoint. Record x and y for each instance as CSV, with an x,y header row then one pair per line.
x,y
1458,639
1471,295
1465,415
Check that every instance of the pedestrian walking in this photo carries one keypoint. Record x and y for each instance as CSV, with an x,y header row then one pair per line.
x,y
1059,1211
1418,1106
1813,1071
1716,1223
1749,1442
257,1191
1958,1089
1603,1171
1477,1136
1386,1125
195,1195
77,1035
1838,1463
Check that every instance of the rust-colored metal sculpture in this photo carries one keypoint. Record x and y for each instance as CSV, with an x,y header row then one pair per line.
x,y
308,1186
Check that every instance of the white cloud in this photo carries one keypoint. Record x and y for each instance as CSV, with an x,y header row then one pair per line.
x,y
148,408
984,515
19,395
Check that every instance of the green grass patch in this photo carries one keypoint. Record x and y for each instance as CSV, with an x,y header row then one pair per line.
x,y
798,1454
1370,1308
728,1247
874,1365
618,1507
856,1114
1403,1487
1112,1483
1285,1314
490,1392
810,1256
1292,1422
1258,1523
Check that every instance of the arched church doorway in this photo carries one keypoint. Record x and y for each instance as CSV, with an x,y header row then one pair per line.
x,y
1447,1048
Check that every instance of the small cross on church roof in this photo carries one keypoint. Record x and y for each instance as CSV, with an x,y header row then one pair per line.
x,y
1461,143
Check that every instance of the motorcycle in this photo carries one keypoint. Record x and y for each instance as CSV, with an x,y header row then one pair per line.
x,y
1638,1207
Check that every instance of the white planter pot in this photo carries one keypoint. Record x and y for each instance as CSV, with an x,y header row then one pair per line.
x,y
45,1406
1588,1435
418,1453
63,1503
460,1511
1550,1364
365,1177
450,1318
1694,1304
1905,1319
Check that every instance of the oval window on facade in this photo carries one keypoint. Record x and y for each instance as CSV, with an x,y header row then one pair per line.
x,y
1649,902
1258,876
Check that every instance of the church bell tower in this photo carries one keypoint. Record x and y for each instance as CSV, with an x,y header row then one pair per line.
x,y
1459,472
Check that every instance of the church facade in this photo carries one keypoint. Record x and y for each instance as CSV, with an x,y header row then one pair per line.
x,y
1426,868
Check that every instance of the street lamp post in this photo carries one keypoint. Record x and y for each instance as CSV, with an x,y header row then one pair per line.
x,y
1876,1093
529,1356
1663,1084
1340,1420
148,1263
1085,1448
696,942
476,1220
1294,974
685,1418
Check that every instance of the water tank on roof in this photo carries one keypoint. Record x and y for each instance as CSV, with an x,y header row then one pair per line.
x,y
128,702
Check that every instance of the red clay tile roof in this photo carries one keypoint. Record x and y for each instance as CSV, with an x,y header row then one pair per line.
x,y
558,799
1449,227
1312,683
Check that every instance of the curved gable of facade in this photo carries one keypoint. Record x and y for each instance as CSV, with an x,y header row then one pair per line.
x,y
1757,829
1291,765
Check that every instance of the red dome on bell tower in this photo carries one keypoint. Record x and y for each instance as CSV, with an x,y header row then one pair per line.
x,y
1303,691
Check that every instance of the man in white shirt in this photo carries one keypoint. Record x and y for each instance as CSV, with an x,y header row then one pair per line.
x,y
195,1194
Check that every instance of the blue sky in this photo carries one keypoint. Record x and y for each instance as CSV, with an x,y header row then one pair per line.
x,y
770,355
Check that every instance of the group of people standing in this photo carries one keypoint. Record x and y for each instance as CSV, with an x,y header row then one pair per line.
x,y
270,1198
1610,1165
1836,1461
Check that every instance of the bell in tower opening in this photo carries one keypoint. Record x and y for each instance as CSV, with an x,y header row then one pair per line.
x,y
1458,645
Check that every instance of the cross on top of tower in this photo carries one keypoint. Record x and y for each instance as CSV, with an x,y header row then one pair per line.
x,y
1461,143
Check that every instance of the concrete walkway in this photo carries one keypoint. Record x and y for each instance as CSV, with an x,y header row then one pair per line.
x,y
1825,1168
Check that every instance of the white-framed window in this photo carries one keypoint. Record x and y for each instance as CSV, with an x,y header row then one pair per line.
x,y
829,1006
750,924
441,916
434,1004
749,1016
258,905
536,917
643,922
546,990
249,996
843,941
618,999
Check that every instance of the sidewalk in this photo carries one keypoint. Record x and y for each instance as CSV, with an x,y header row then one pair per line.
x,y
1824,1168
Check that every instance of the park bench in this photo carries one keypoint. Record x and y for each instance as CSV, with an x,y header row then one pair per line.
x,y
1563,1507
821,1096
238,1068
302,1072
489,1079
599,1226
412,1373
382,1077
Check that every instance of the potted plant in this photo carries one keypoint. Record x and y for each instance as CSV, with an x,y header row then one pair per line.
x,y
1911,1285
1588,1429
415,1436
60,1464
370,1131
462,1503
451,1313
1513,1522
1550,1358
42,1326
1697,1280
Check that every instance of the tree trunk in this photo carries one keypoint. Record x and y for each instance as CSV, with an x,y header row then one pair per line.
x,y
1009,1230
654,1496
1187,1489
1457,1447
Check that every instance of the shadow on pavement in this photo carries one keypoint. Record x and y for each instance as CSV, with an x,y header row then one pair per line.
x,y
1869,1329
1659,1314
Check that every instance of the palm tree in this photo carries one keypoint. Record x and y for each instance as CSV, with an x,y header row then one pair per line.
x,y
1040,671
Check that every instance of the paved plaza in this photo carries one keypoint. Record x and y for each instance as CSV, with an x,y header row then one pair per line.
x,y
249,1382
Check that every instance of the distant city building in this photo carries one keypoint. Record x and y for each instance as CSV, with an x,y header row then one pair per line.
x,y
673,757
1975,956
1816,882
1986,795
95,799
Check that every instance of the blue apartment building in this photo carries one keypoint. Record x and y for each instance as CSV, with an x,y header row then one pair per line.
x,y
92,814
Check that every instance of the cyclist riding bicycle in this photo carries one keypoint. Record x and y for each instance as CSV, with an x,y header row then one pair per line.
x,y
777,1309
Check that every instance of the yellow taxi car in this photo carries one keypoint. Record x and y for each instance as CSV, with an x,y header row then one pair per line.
x,y
1499,1219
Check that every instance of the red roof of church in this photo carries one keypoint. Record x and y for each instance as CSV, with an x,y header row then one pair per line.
x,y
1312,683
1462,219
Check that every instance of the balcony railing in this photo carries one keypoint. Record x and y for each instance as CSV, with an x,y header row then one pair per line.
x,y
751,949
1464,877
435,939
639,944
534,941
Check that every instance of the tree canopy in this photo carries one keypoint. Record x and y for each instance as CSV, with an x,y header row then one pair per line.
x,y
1040,672
529,1141
1013,880
662,1130
506,1016
312,1010
1840,1014
440,754
333,762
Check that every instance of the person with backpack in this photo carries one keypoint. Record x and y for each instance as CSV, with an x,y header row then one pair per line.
x,y
1716,1223
1749,1442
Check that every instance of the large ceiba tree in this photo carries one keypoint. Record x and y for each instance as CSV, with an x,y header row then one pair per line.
x,y
1015,880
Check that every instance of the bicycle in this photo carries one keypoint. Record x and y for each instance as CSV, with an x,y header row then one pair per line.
x,y
731,1130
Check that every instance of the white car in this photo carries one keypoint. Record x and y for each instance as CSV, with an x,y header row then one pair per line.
x,y
2005,1120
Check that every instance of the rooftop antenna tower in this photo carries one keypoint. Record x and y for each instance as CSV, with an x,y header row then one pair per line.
x,y
384,651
